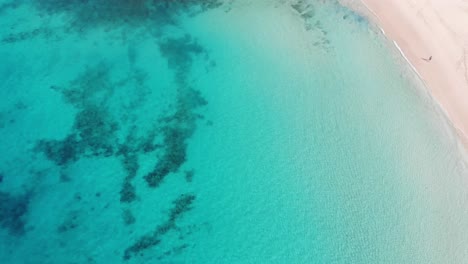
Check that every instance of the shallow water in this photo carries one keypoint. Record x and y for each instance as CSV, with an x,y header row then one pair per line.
x,y
218,132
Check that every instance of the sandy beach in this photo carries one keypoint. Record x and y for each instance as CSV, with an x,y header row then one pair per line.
x,y
433,36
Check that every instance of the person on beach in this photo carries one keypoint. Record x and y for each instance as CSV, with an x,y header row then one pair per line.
x,y
428,59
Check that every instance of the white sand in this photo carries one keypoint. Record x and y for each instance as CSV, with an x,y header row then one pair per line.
x,y
437,28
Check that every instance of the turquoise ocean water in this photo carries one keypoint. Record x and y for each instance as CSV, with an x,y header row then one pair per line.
x,y
219,132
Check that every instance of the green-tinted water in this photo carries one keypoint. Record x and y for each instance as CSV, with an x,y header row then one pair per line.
x,y
205,132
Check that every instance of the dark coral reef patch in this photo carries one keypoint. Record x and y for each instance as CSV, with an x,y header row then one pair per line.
x,y
179,53
95,128
93,135
95,132
109,123
181,205
84,15
152,16
178,127
13,209
70,222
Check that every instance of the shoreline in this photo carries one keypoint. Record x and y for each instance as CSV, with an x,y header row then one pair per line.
x,y
420,29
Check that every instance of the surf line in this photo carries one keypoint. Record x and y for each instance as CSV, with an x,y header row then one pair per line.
x,y
463,135
441,107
